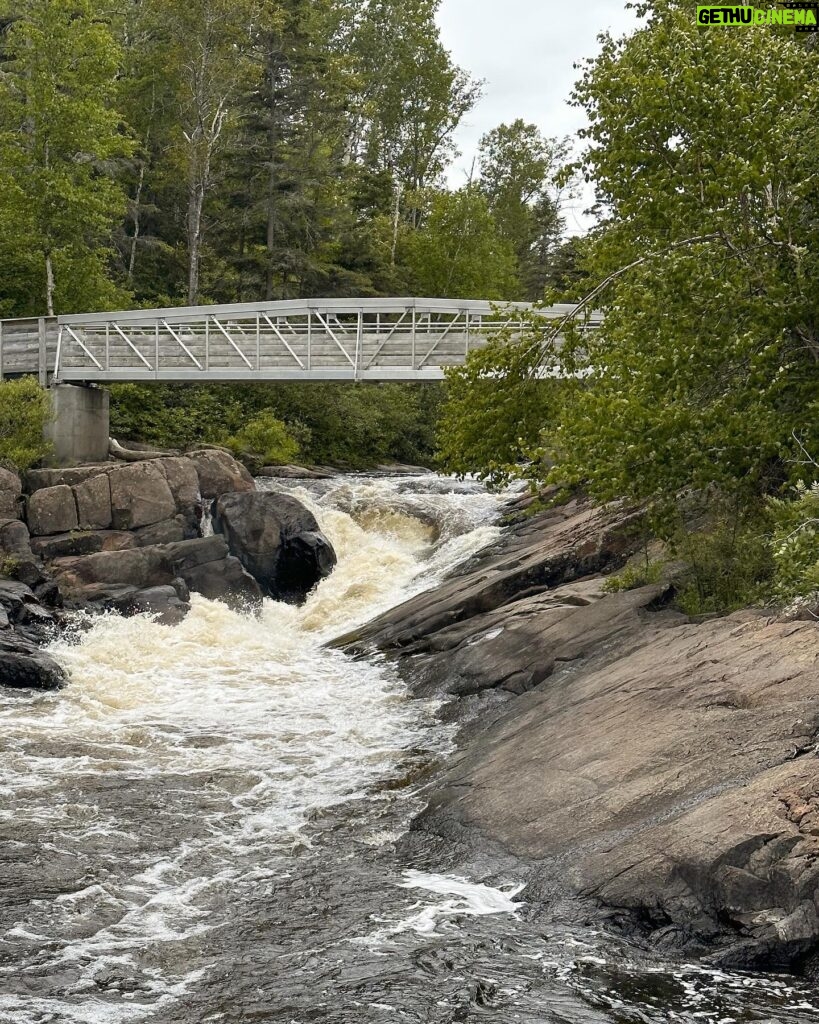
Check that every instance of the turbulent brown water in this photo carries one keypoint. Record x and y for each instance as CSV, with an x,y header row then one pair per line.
x,y
203,826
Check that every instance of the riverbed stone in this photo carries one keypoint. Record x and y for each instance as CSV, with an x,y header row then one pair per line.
x,y
93,497
52,510
140,496
277,540
167,604
24,666
202,564
219,473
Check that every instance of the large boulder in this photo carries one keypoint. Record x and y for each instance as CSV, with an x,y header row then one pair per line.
x,y
140,496
52,510
219,473
10,490
24,666
167,604
183,481
208,569
93,497
136,567
203,564
277,540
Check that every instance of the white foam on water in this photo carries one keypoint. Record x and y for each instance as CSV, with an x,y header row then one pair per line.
x,y
466,899
228,731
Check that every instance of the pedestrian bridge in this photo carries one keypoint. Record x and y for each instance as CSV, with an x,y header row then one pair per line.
x,y
406,339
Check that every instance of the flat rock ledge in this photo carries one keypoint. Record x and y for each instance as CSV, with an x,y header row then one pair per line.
x,y
648,773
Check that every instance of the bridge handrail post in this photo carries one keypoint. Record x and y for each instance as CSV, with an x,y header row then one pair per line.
x,y
258,342
42,357
309,340
207,344
1,351
359,343
413,336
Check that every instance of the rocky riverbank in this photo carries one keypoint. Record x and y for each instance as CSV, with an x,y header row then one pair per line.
x,y
646,772
140,536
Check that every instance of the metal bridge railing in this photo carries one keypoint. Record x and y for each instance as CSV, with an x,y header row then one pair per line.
x,y
317,339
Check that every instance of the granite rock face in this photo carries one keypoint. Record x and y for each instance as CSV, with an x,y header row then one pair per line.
x,y
52,510
219,473
140,496
649,773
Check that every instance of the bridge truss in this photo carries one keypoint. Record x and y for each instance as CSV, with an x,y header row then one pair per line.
x,y
317,339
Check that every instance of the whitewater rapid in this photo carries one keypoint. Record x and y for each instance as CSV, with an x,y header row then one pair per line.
x,y
220,737
209,825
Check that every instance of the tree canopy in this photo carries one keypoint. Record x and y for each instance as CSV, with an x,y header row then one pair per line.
x,y
702,145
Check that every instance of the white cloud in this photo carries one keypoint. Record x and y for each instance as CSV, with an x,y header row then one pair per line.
x,y
526,51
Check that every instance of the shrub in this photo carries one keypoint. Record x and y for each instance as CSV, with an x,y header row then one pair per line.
x,y
729,564
795,544
640,574
266,437
25,409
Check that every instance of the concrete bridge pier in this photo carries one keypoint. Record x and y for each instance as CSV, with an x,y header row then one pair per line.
x,y
80,424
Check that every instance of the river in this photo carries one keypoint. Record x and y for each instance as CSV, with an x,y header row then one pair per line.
x,y
203,826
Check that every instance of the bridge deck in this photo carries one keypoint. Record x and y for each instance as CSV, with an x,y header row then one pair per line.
x,y
316,339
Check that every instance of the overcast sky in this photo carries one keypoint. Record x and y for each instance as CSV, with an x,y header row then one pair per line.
x,y
525,50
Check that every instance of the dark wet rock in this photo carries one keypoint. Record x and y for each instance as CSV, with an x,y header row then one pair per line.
x,y
219,473
140,496
225,580
52,510
24,666
208,569
168,604
171,531
277,540
67,545
21,605
93,497
202,563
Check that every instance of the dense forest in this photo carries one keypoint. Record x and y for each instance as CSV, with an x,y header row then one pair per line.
x,y
176,152
161,152
170,153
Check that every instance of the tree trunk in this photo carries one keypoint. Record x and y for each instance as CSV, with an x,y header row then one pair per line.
x,y
195,202
49,284
137,219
